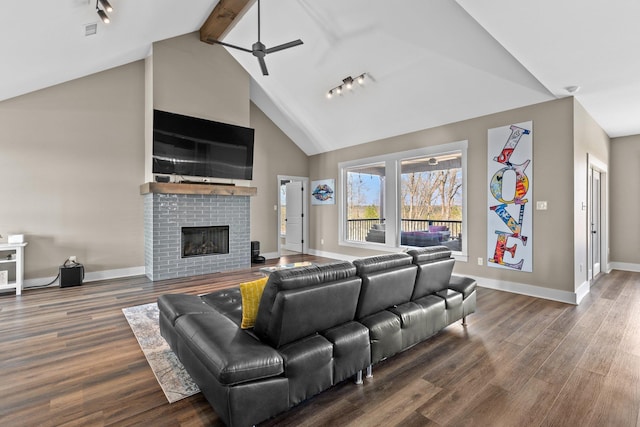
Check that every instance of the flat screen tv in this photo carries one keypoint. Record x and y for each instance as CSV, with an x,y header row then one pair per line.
x,y
190,146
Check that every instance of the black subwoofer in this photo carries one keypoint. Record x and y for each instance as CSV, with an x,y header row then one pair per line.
x,y
71,275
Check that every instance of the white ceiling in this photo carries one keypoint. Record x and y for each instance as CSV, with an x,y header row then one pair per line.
x,y
428,63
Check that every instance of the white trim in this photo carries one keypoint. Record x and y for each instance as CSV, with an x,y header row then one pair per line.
x,y
270,255
582,291
334,255
593,163
625,266
305,211
529,290
91,276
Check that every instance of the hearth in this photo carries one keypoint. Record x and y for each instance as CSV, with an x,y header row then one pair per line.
x,y
201,241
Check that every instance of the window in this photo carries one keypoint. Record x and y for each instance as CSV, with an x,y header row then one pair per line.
x,y
407,199
431,201
364,203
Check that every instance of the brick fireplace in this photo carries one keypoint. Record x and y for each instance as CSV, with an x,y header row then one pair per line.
x,y
171,209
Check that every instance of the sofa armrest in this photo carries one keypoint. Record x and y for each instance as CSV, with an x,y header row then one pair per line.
x,y
464,285
231,354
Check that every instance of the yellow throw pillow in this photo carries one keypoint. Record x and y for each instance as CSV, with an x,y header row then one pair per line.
x,y
251,294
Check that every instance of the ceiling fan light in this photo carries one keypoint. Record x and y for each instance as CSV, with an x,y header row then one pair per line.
x,y
339,90
102,14
106,5
330,94
360,79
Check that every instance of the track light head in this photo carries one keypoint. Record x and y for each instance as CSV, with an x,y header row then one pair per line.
x,y
102,14
106,5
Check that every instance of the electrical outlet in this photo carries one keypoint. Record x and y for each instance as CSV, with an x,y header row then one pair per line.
x,y
72,258
480,261
541,205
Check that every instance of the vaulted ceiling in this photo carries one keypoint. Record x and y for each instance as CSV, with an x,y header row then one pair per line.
x,y
427,63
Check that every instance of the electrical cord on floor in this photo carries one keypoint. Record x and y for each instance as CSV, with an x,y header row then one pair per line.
x,y
67,263
47,285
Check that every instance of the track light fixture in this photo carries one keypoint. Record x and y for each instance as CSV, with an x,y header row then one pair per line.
x,y
106,5
347,83
101,13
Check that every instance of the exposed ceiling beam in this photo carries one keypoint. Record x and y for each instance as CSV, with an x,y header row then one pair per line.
x,y
223,17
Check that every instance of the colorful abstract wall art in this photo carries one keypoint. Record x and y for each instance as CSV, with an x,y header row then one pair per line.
x,y
323,192
510,197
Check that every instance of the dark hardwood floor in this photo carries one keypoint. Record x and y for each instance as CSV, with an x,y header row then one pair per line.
x,y
69,358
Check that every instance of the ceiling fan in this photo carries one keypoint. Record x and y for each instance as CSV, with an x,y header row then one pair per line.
x,y
259,50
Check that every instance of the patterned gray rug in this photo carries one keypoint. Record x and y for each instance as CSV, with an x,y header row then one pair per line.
x,y
171,375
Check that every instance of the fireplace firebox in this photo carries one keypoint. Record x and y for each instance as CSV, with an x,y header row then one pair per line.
x,y
200,241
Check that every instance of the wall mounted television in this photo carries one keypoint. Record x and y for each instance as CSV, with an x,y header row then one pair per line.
x,y
190,146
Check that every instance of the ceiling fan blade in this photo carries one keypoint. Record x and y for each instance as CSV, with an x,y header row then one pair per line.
x,y
230,45
263,66
283,46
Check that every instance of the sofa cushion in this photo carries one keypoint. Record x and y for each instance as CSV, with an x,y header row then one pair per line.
x,y
434,270
229,353
301,301
385,334
432,253
436,228
351,349
387,280
226,301
172,306
251,294
308,365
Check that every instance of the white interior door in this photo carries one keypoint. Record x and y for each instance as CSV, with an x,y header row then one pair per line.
x,y
294,216
596,223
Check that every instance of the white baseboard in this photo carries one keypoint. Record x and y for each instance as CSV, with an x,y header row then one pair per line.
x,y
332,255
582,291
270,255
531,290
91,276
625,266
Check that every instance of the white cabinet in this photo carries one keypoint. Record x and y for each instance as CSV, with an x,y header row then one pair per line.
x,y
13,253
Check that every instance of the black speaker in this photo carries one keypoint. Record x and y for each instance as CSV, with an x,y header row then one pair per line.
x,y
162,178
71,275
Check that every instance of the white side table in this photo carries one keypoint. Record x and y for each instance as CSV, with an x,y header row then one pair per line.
x,y
13,253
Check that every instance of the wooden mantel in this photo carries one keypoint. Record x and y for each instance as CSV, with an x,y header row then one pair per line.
x,y
207,189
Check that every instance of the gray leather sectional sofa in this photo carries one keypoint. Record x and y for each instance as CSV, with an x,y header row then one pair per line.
x,y
316,326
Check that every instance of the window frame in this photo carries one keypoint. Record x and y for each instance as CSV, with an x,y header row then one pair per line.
x,y
393,192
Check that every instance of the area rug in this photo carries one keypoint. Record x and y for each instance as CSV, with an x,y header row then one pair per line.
x,y
171,375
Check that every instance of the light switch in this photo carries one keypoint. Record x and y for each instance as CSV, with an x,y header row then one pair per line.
x,y
541,205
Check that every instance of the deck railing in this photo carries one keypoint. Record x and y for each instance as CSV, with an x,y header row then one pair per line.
x,y
357,229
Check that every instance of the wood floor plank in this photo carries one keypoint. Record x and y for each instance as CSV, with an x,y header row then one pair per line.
x,y
574,404
618,403
69,358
